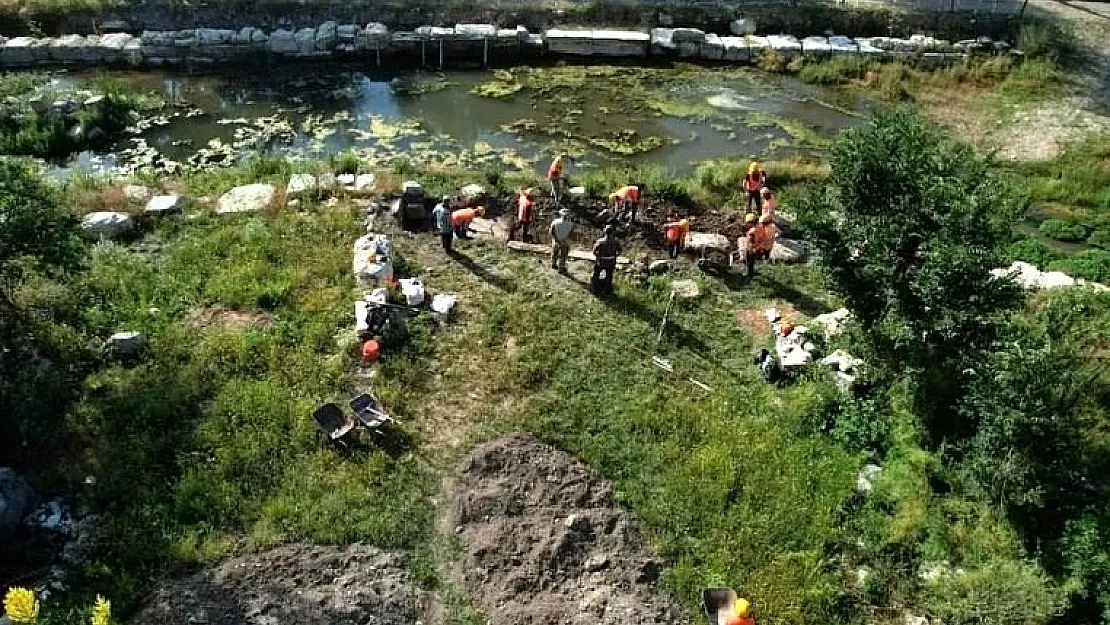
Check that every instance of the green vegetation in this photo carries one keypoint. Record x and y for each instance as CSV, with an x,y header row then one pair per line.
x,y
1063,230
47,133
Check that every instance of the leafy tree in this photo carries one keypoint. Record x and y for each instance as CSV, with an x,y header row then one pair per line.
x,y
908,229
38,238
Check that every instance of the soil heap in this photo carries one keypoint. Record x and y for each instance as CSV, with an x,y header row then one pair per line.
x,y
544,543
292,584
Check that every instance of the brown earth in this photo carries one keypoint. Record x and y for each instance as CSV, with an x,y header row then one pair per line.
x,y
292,584
220,316
544,543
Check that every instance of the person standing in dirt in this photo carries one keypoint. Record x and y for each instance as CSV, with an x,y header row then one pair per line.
x,y
442,216
525,215
555,177
606,250
627,201
460,220
674,235
754,181
560,231
761,239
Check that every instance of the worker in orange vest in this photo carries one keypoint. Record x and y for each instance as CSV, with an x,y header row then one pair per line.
x,y
761,239
754,180
741,614
555,177
674,235
525,215
770,204
460,220
627,201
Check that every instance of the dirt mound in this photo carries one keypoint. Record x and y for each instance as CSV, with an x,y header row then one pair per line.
x,y
544,542
292,584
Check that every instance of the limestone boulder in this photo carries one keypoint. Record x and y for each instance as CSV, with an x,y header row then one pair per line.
x,y
300,184
327,36
742,26
106,225
161,205
283,42
789,251
246,199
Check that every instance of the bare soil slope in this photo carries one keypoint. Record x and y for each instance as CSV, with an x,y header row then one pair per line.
x,y
292,584
545,543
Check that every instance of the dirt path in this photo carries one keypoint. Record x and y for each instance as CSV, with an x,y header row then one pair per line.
x,y
1042,132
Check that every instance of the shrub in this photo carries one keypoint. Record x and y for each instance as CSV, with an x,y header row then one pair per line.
x,y
1091,264
1050,40
1000,592
1031,251
346,163
772,61
835,70
1100,239
1062,230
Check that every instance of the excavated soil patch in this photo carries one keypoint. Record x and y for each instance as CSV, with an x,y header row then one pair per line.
x,y
544,543
218,316
292,584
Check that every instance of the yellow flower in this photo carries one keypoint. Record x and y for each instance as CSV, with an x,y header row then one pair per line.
x,y
102,611
21,606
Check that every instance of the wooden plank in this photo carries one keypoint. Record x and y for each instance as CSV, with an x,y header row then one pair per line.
x,y
540,248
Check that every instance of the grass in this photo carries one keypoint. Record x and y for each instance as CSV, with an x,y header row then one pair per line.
x,y
206,445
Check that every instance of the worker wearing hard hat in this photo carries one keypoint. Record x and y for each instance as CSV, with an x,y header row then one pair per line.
x,y
525,215
560,231
460,220
741,614
627,201
761,239
754,180
674,236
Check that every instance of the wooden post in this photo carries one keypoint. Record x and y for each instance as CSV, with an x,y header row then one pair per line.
x,y
441,52
423,62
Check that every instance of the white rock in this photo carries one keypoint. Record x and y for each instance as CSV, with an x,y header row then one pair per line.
x,y
136,192
165,205
364,182
788,251
659,266
106,224
346,180
744,26
283,42
1029,277
246,199
471,193
306,41
865,479
476,30
326,36
444,303
685,289
126,344
577,191
300,183
842,361
833,322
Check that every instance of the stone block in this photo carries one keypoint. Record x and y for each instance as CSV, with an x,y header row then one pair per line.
x,y
476,30
713,49
742,26
306,41
327,36
786,45
246,199
816,46
843,45
106,225
161,205
736,49
688,35
214,36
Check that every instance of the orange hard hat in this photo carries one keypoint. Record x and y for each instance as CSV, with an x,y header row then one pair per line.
x,y
371,351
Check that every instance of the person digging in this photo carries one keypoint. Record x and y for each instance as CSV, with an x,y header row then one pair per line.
x,y
674,235
560,231
525,215
761,239
460,220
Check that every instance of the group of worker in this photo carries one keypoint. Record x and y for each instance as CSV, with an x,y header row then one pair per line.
x,y
759,229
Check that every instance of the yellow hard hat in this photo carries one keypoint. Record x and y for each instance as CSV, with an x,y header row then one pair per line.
x,y
684,222
529,191
742,607
766,219
480,211
750,217
752,166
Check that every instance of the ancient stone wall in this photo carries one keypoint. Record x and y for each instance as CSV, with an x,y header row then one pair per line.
x,y
435,46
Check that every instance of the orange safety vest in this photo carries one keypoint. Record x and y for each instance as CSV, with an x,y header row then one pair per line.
x,y
674,232
628,194
463,217
762,237
755,181
524,209
555,171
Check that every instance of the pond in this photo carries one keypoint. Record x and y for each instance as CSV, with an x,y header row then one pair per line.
x,y
673,116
